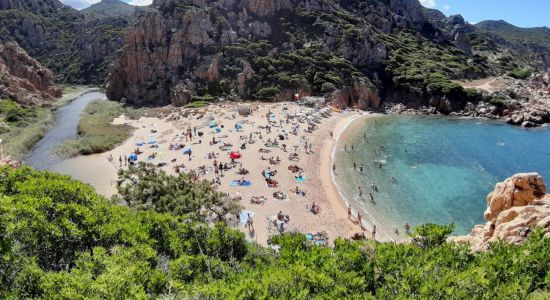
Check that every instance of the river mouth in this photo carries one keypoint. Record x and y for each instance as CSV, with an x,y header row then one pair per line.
x,y
42,156
432,169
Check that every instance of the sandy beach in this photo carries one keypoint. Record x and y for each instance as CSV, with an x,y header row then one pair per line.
x,y
286,126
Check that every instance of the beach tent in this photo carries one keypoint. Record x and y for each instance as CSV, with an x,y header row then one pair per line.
x,y
238,126
212,124
234,155
186,150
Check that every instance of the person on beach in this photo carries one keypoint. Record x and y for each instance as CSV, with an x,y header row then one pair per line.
x,y
346,147
354,166
407,227
334,168
360,219
311,147
250,223
371,197
120,161
373,232
351,147
360,193
349,211
330,134
125,161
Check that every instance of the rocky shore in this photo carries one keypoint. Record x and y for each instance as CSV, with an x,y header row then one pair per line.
x,y
515,208
519,102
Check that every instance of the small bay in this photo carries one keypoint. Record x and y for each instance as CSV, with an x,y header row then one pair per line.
x,y
432,169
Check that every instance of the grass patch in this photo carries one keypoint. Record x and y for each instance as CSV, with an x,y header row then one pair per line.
x,y
96,133
22,127
196,104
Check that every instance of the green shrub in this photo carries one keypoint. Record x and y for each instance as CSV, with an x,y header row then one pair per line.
x,y
196,104
520,73
268,92
59,239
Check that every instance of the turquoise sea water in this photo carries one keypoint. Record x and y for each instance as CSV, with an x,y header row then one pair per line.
x,y
443,167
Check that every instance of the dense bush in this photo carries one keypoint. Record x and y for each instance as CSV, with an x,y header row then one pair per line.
x,y
520,73
60,240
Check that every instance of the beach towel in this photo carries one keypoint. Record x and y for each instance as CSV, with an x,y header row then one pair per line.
x,y
218,130
243,216
236,183
151,142
298,179
139,144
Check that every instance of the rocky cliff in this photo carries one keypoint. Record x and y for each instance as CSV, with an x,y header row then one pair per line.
x,y
356,53
77,47
515,208
23,79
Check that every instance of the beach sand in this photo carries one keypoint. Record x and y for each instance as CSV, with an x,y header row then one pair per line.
x,y
319,186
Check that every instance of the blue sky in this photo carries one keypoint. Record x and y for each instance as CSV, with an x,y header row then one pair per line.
x,y
522,13
80,4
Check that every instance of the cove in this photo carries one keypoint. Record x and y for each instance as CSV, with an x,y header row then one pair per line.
x,y
432,169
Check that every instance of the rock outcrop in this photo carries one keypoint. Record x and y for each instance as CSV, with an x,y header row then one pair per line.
x,y
76,46
514,209
264,49
24,79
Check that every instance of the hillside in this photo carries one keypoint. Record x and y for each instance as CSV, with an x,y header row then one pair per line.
x,y
536,35
111,8
258,49
77,48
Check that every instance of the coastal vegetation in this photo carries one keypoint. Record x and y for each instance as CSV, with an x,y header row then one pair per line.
x,y
61,240
96,132
21,127
520,73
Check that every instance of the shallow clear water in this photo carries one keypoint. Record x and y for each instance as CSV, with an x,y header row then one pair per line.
x,y
443,167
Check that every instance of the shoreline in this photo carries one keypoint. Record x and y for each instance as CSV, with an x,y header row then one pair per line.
x,y
382,232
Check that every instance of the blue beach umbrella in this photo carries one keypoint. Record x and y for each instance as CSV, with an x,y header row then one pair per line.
x,y
212,124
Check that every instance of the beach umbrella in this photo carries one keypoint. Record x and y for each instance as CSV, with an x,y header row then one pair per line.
x,y
234,155
238,126
218,129
133,156
186,150
212,124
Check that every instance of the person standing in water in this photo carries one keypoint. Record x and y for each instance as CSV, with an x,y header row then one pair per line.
x,y
354,166
360,193
361,168
334,168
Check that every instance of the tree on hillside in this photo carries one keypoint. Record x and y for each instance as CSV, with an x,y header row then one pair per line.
x,y
145,187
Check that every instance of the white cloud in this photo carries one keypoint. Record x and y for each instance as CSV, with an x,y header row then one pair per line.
x,y
140,2
428,3
446,7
